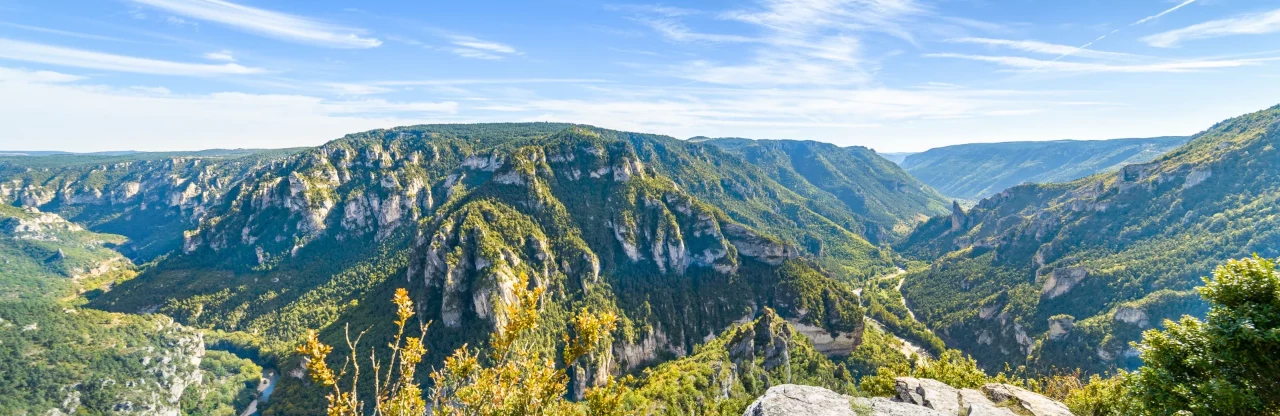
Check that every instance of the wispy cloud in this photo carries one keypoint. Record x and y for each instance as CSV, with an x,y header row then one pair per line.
x,y
1140,21
61,32
678,32
222,55
1045,48
1028,64
56,55
1161,14
471,47
231,119
1251,24
795,42
654,9
269,23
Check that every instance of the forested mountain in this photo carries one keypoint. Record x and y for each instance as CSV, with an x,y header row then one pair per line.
x,y
1066,275
887,201
680,238
979,170
59,358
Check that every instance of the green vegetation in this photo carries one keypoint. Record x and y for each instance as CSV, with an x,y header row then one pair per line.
x,y
1065,275
970,172
852,185
56,356
1223,365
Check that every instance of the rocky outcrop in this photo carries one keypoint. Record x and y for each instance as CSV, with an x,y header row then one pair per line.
x,y
1060,326
829,342
1132,315
796,400
1196,177
1017,397
929,393
752,244
1061,280
957,217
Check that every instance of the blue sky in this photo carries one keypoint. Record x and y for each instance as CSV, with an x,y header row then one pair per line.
x,y
894,75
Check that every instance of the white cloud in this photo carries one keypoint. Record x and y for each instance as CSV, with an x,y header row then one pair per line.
x,y
470,47
799,42
1158,15
61,32
1046,48
1251,24
269,23
1029,64
657,9
678,32
55,55
222,55
151,118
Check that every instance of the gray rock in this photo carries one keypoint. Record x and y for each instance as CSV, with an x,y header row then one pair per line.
x,y
884,407
794,400
929,393
975,403
1036,404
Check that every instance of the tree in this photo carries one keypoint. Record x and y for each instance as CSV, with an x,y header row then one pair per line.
x,y
509,379
1227,364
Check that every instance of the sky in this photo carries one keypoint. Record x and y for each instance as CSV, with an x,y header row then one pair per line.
x,y
892,75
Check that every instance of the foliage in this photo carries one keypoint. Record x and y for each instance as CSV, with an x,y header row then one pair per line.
x,y
951,367
852,185
511,378
1134,241
1225,364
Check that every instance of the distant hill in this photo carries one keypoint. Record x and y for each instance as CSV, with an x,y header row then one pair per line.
x,y
885,200
1067,274
978,170
896,157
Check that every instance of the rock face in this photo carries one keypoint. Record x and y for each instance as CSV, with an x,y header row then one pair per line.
x,y
1021,398
795,400
915,397
929,393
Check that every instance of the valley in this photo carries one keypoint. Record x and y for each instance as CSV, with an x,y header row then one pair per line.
x,y
730,265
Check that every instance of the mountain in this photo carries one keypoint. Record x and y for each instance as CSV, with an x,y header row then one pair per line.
x,y
876,195
682,239
150,198
1065,275
896,157
60,358
975,171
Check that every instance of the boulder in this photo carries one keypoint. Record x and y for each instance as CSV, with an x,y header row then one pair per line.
x,y
795,400
975,403
929,393
1032,403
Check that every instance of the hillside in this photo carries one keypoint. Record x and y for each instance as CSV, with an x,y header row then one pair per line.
x,y
1067,274
658,229
59,358
974,171
873,193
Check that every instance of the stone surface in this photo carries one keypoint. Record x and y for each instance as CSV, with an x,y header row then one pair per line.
x,y
929,393
975,403
1033,403
790,399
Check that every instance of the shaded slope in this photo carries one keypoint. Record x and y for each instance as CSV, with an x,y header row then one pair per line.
x,y
1067,274
853,185
979,170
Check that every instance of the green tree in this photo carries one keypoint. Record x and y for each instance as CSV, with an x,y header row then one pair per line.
x,y
1226,364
